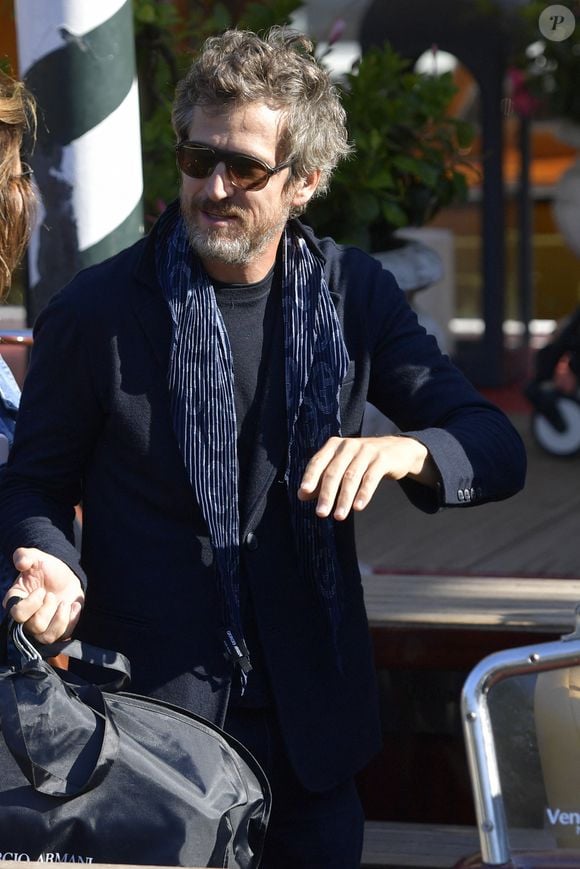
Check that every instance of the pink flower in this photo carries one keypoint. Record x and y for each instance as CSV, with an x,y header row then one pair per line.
x,y
525,104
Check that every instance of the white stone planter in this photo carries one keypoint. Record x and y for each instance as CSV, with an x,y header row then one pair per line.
x,y
425,270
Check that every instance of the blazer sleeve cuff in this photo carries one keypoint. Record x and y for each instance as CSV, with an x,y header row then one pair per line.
x,y
457,485
38,533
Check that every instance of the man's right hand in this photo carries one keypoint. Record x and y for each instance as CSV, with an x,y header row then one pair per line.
x,y
51,595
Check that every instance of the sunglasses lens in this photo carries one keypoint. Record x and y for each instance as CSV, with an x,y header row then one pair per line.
x,y
244,172
247,173
196,162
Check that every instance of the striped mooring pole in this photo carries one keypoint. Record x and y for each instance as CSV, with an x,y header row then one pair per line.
x,y
78,59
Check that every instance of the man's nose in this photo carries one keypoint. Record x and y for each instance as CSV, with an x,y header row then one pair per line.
x,y
218,185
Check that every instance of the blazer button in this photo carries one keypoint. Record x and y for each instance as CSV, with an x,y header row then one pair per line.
x,y
251,541
460,495
467,494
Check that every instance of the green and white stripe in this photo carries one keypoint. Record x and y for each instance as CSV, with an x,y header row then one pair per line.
x,y
78,58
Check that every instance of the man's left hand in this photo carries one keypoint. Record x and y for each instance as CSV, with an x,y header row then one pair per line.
x,y
345,472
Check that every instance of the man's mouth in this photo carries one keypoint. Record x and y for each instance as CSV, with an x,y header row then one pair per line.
x,y
214,214
218,215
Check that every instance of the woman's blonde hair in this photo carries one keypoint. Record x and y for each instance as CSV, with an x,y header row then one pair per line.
x,y
17,198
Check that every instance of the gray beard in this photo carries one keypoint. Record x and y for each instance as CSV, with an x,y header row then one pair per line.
x,y
234,251
240,250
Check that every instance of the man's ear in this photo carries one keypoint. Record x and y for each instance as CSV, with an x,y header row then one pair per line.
x,y
305,189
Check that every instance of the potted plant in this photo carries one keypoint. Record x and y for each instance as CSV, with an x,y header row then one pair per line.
x,y
408,157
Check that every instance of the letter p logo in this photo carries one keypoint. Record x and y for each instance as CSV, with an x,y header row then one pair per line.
x,y
557,23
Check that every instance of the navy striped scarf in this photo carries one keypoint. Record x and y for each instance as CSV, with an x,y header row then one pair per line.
x,y
201,385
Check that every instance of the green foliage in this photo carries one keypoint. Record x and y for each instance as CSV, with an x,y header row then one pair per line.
x,y
166,43
407,153
260,16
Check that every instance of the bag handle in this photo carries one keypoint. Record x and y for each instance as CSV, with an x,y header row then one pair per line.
x,y
113,662
71,747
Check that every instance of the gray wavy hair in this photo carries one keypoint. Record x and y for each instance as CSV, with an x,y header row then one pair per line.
x,y
279,70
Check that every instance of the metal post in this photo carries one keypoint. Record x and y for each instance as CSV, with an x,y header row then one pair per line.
x,y
78,58
525,231
490,371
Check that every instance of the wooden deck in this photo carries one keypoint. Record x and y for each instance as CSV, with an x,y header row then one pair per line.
x,y
432,846
533,534
434,622
511,604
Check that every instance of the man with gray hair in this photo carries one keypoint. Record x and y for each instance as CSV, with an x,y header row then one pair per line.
x,y
202,395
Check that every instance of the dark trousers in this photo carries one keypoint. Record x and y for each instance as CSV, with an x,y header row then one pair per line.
x,y
307,830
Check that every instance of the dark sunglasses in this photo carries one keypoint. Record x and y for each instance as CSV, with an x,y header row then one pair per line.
x,y
247,173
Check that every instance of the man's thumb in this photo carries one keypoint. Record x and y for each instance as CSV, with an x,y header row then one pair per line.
x,y
23,558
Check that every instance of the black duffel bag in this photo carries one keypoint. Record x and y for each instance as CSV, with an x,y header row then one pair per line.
x,y
95,776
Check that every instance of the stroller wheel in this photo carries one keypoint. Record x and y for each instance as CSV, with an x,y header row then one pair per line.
x,y
559,443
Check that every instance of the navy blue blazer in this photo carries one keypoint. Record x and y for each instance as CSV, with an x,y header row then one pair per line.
x,y
95,425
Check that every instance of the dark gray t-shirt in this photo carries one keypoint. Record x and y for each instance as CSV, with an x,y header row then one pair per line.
x,y
250,313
